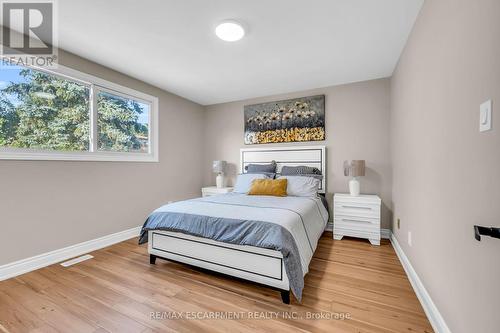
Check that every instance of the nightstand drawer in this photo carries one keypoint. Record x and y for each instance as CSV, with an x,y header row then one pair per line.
x,y
356,223
357,209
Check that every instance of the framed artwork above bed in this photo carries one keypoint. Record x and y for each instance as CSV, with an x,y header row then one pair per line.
x,y
293,120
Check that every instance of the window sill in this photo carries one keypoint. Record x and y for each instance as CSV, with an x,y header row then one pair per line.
x,y
78,156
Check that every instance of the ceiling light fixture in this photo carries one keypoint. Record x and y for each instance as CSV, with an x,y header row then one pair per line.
x,y
230,31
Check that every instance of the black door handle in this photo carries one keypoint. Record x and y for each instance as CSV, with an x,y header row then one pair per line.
x,y
486,231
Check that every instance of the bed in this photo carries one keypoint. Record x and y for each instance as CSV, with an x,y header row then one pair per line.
x,y
264,239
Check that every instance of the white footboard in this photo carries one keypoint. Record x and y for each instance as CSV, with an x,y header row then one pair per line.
x,y
251,263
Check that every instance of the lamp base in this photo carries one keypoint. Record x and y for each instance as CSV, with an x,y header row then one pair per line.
x,y
219,180
354,187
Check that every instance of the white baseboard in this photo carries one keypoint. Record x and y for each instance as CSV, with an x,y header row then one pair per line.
x,y
384,233
432,312
42,260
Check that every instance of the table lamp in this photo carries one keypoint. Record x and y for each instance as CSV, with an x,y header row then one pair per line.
x,y
219,167
354,169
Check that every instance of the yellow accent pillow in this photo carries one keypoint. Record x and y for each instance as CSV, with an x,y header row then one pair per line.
x,y
274,187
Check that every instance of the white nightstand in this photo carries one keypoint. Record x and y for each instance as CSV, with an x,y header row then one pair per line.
x,y
213,190
357,217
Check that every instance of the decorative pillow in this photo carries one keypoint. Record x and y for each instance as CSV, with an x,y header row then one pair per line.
x,y
261,168
318,177
244,181
270,175
299,170
301,186
274,187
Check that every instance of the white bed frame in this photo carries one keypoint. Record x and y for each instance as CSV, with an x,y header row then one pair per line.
x,y
250,263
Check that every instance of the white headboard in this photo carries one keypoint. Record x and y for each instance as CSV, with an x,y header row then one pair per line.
x,y
313,156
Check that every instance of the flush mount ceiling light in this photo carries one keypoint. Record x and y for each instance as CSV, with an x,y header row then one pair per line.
x,y
230,31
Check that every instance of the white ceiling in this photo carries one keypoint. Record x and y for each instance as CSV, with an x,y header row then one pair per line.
x,y
289,46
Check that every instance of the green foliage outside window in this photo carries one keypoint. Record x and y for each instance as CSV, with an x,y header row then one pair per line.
x,y
43,111
119,129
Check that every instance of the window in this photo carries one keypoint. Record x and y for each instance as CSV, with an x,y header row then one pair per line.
x,y
43,111
68,115
122,123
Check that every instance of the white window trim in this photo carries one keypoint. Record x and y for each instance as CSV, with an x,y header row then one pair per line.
x,y
96,84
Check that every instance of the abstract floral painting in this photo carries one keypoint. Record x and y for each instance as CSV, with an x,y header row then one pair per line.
x,y
293,120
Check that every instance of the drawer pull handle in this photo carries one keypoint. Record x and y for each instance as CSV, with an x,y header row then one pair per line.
x,y
356,207
351,220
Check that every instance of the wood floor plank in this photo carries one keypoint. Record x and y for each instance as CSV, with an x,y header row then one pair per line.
x,y
119,291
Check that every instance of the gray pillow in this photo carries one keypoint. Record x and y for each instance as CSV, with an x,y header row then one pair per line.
x,y
299,170
320,177
261,168
270,175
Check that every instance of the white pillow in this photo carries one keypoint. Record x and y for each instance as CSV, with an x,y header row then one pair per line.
x,y
301,186
244,181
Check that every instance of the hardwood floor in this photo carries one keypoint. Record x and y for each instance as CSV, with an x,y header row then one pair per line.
x,y
119,291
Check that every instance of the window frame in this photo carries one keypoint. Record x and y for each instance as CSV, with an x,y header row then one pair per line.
x,y
95,84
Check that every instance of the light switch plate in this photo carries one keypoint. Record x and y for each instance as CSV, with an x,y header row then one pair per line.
x,y
485,116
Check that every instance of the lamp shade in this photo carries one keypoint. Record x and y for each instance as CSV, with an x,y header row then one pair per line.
x,y
355,169
219,166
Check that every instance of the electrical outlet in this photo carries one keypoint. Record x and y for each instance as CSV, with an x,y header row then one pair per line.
x,y
399,223
409,238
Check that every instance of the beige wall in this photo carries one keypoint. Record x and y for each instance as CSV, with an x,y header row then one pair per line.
x,y
52,204
446,173
357,127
